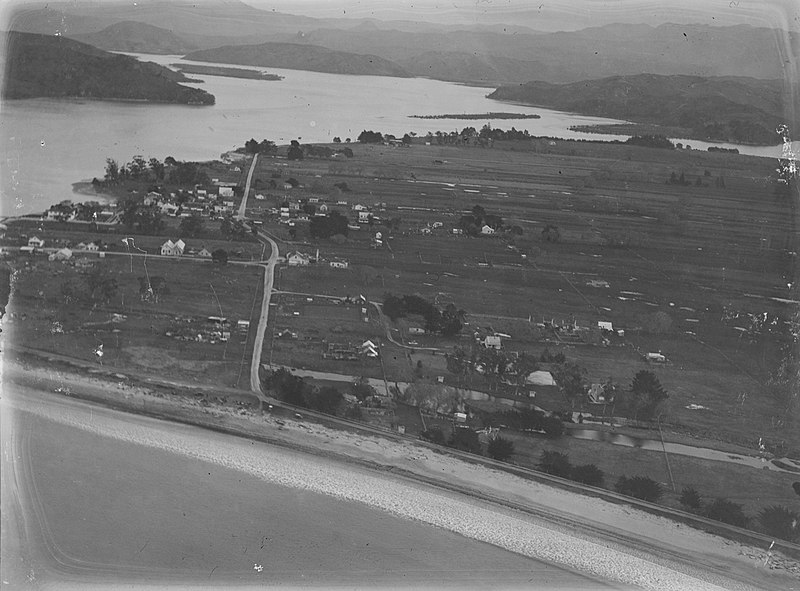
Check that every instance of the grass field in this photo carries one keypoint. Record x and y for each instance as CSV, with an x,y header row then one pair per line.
x,y
134,340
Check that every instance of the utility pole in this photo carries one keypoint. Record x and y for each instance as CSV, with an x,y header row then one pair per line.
x,y
666,456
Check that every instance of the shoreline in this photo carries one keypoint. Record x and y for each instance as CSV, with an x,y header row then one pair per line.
x,y
506,485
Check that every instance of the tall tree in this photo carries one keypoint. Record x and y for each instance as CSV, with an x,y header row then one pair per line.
x,y
645,395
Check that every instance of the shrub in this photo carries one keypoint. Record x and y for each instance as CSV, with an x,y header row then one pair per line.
x,y
587,474
501,449
465,440
780,522
690,498
555,463
639,487
727,512
434,435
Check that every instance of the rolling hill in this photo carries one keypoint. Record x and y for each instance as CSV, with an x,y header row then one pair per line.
x,y
51,66
736,109
294,56
136,37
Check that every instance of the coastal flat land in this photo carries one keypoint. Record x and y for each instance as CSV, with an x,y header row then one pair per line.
x,y
689,268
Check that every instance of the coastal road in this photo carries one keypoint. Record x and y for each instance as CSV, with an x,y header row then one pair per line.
x,y
243,205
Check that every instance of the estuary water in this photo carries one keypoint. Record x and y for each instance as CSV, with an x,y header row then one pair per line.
x,y
48,144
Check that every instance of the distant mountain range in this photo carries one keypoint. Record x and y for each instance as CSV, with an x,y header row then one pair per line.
x,y
487,55
295,56
50,66
740,110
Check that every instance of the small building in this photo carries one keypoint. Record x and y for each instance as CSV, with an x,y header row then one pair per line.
x,y
596,394
225,192
35,242
243,325
492,342
92,246
363,217
605,326
323,208
487,230
61,255
540,378
260,197
339,264
416,330
204,253
297,259
369,349
656,358
174,249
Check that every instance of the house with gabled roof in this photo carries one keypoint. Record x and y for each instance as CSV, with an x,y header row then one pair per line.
x,y
170,248
297,259
35,242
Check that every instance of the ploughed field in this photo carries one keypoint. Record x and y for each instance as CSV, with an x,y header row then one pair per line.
x,y
687,266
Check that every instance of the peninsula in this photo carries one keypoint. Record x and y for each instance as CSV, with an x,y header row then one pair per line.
x,y
54,66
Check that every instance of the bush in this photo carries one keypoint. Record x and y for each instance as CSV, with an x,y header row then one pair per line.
x,y
639,487
501,449
555,463
587,474
465,440
727,512
434,435
690,498
780,522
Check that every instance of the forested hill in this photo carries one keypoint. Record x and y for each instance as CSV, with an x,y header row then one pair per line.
x,y
294,56
51,66
135,37
736,109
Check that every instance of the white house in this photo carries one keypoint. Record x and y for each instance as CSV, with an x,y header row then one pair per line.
x,y
175,249
35,242
323,208
61,255
204,253
169,209
487,230
359,207
369,349
603,325
92,246
492,342
225,192
339,264
363,217
297,259
260,197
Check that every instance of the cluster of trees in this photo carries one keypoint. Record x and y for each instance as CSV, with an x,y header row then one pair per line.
x,y
327,226
97,287
466,439
558,464
447,321
650,141
775,520
251,146
232,229
370,137
135,215
153,170
737,131
294,390
472,222
496,365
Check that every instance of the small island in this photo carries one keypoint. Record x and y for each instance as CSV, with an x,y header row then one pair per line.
x,y
478,116
227,72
